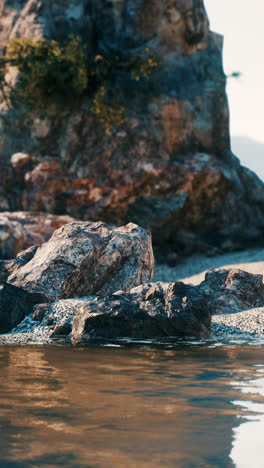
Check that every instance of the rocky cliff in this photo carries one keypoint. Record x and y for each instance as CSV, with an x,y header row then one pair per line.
x,y
168,167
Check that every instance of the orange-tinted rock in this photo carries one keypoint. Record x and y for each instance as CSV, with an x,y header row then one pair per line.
x,y
169,167
20,230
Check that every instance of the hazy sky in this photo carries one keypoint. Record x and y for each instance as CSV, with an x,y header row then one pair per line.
x,y
242,24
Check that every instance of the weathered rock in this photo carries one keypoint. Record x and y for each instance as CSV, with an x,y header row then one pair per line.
x,y
15,304
83,259
158,310
232,290
20,230
169,167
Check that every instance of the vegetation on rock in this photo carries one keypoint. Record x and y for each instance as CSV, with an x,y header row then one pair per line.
x,y
50,72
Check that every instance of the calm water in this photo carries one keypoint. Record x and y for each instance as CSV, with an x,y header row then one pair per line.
x,y
193,406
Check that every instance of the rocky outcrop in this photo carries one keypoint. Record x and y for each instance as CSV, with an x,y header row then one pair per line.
x,y
20,230
158,311
169,166
15,304
232,290
83,259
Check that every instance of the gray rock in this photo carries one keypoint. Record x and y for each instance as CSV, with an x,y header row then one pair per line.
x,y
86,258
15,304
232,290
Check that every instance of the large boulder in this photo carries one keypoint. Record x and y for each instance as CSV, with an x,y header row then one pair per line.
x,y
85,258
15,304
20,230
158,310
232,290
152,310
169,166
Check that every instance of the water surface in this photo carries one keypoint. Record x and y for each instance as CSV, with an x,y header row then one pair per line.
x,y
190,406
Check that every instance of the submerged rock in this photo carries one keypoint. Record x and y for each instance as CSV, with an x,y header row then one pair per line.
x,y
232,290
85,258
15,304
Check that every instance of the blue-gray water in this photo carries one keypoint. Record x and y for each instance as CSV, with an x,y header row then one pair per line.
x,y
193,406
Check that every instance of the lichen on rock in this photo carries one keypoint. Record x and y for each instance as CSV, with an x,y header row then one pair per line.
x,y
169,165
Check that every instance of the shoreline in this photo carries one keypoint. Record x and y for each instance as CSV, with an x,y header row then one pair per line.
x,y
246,325
191,270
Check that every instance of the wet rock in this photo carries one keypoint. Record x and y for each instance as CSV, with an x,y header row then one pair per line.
x,y
20,230
158,310
83,259
15,304
232,290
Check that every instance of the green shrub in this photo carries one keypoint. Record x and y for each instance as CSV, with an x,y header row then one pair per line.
x,y
51,72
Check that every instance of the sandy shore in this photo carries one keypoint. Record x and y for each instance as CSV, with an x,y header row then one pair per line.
x,y
192,270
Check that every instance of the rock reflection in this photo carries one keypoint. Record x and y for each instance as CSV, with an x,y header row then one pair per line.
x,y
121,407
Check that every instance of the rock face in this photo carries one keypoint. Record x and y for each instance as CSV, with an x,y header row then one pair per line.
x,y
169,166
232,290
15,304
21,230
83,259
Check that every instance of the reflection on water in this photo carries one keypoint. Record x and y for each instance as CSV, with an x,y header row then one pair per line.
x,y
189,407
249,436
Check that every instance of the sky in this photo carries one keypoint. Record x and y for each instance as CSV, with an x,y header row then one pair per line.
x,y
242,24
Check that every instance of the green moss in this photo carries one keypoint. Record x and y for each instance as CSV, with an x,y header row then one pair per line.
x,y
63,74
